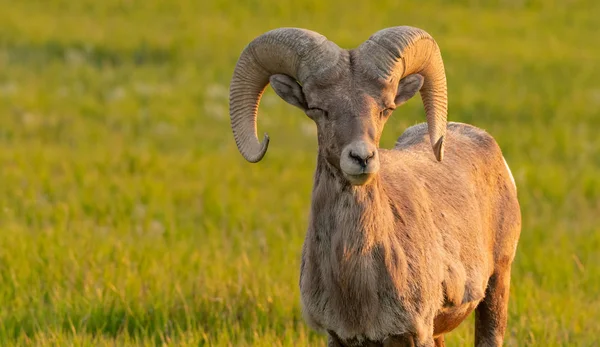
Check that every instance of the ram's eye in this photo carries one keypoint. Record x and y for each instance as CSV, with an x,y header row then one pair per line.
x,y
386,113
314,112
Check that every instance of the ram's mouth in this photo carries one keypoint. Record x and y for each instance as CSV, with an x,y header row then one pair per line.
x,y
359,179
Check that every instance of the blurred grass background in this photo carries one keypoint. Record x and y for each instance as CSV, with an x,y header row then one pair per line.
x,y
127,217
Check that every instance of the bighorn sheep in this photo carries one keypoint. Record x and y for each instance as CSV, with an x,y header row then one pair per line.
x,y
401,245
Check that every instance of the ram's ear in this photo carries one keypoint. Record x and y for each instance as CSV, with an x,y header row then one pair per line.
x,y
407,88
289,90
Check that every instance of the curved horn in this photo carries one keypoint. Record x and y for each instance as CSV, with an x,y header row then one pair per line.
x,y
298,53
394,53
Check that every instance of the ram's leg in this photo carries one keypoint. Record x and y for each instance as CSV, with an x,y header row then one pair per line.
x,y
439,341
426,343
333,340
405,340
492,313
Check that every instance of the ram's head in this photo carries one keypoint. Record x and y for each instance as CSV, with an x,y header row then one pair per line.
x,y
348,93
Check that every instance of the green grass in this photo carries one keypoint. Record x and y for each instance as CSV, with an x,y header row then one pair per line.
x,y
128,217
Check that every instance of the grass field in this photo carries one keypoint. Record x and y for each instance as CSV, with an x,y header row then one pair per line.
x,y
128,217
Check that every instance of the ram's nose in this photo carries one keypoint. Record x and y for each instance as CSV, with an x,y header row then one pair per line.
x,y
359,162
362,157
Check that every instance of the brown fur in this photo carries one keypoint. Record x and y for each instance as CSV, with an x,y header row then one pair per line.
x,y
416,250
400,248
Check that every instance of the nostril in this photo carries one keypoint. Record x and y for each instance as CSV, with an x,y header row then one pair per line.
x,y
368,157
354,156
359,159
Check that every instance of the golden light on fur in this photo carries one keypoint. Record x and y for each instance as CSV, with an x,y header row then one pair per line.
x,y
402,244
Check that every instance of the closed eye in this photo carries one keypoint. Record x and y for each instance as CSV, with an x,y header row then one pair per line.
x,y
386,113
315,111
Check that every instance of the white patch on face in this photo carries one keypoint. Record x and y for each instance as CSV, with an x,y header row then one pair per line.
x,y
510,173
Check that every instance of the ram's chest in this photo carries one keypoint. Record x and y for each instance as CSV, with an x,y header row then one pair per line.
x,y
356,279
352,291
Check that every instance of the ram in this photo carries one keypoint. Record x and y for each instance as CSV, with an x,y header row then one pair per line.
x,y
402,244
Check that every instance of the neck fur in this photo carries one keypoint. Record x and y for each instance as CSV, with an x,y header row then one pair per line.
x,y
352,242
361,215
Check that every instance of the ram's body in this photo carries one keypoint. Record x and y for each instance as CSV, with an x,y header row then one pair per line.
x,y
402,244
421,242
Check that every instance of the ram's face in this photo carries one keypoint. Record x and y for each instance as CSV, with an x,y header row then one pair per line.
x,y
349,122
350,110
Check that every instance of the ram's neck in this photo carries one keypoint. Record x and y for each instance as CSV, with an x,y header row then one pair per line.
x,y
351,252
358,217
